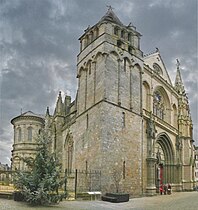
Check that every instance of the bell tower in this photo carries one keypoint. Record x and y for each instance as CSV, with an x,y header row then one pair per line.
x,y
109,72
109,64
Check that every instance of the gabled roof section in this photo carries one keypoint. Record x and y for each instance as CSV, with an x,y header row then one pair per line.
x,y
111,16
155,62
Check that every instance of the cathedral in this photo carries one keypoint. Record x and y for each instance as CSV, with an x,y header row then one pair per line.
x,y
127,119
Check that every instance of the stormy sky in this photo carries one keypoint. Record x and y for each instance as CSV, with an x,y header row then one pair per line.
x,y
39,44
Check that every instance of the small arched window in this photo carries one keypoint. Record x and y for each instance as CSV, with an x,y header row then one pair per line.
x,y
174,115
19,134
122,34
91,36
129,37
116,31
29,134
96,32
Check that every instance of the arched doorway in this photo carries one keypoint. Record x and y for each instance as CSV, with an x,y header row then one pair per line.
x,y
165,160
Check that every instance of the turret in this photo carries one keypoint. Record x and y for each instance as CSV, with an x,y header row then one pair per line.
x,y
59,105
184,116
178,80
67,103
27,127
109,62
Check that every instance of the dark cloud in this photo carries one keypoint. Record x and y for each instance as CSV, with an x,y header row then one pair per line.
x,y
39,44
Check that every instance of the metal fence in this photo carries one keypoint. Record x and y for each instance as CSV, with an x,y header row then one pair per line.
x,y
75,181
80,181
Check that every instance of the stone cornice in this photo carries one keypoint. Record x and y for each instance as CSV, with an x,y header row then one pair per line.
x,y
36,118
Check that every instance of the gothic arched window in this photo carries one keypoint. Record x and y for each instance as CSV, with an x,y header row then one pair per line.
x,y
158,105
69,151
146,96
116,29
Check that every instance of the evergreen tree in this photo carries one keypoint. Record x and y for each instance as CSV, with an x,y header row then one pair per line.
x,y
39,185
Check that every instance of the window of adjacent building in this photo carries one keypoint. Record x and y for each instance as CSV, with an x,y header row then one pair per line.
x,y
29,134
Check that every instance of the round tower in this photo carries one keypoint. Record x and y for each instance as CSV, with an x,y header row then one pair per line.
x,y
27,127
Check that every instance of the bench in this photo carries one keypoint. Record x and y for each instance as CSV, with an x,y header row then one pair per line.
x,y
116,197
94,195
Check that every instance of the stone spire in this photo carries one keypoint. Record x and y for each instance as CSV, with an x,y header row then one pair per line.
x,y
178,80
47,112
111,16
59,104
184,116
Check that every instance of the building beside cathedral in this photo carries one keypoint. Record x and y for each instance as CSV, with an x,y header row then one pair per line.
x,y
127,116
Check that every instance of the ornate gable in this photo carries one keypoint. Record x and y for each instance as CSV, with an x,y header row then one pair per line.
x,y
155,62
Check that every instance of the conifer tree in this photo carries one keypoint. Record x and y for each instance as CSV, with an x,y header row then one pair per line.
x,y
40,184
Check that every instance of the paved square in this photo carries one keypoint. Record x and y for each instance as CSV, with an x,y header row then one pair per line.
x,y
176,201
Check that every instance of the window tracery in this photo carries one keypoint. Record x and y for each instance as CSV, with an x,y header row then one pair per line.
x,y
157,69
158,105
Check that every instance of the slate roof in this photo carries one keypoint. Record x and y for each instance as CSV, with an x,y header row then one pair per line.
x,y
111,16
30,113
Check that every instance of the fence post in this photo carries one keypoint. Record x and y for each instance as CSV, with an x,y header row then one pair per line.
x,y
76,177
100,181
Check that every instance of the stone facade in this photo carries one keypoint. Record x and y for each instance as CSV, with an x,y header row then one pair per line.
x,y
128,120
196,167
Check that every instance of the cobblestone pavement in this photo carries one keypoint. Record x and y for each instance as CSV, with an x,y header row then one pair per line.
x,y
176,201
